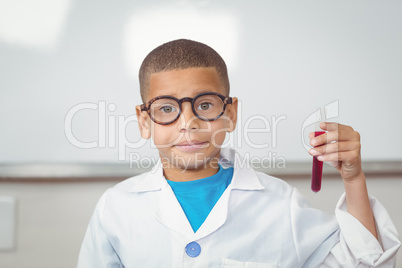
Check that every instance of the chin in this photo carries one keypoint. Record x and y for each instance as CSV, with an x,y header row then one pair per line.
x,y
190,161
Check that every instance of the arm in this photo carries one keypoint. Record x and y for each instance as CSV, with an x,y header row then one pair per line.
x,y
358,203
340,146
361,244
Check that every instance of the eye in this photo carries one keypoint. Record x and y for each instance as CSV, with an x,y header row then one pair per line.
x,y
167,109
204,106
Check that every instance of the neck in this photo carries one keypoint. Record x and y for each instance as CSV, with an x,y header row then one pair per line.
x,y
174,173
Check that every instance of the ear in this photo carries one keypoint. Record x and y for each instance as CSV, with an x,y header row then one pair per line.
x,y
143,122
231,113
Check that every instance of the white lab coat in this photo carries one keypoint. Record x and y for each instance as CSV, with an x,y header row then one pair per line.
x,y
259,221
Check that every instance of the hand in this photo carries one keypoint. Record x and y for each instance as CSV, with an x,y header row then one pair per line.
x,y
340,147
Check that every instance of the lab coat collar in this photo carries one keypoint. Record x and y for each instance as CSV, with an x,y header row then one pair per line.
x,y
244,176
169,211
150,181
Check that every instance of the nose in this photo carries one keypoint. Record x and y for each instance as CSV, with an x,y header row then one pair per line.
x,y
188,120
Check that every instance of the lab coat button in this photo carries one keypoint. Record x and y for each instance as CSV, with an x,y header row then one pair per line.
x,y
193,249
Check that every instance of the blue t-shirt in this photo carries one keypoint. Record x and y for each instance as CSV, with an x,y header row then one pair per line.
x,y
198,197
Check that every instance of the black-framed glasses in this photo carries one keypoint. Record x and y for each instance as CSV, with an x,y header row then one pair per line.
x,y
207,106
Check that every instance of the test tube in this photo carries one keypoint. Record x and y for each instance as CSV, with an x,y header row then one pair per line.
x,y
316,176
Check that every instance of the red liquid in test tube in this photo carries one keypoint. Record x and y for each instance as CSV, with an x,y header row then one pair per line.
x,y
316,176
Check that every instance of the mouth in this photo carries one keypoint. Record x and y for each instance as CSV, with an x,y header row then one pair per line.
x,y
191,146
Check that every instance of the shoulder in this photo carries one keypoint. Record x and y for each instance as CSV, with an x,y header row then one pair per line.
x,y
125,187
280,189
245,174
127,184
262,188
136,193
274,184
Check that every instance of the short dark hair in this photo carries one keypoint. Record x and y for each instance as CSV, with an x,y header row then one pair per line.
x,y
181,54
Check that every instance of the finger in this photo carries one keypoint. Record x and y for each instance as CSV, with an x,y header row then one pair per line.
x,y
335,147
329,126
343,129
347,157
323,139
317,140
334,164
334,157
311,135
345,133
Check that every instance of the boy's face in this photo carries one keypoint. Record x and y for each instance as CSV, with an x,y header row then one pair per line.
x,y
189,142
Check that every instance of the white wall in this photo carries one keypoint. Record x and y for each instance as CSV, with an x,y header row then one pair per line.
x,y
285,58
52,217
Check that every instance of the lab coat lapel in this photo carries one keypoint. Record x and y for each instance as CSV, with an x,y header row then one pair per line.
x,y
168,211
244,179
171,214
217,217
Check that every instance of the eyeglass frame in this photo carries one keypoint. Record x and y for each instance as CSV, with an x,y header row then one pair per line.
x,y
146,106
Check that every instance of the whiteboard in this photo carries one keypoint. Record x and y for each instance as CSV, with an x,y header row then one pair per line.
x,y
77,62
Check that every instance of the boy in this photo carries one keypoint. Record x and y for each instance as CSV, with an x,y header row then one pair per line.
x,y
198,208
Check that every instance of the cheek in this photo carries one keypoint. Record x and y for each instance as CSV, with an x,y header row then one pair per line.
x,y
164,135
218,133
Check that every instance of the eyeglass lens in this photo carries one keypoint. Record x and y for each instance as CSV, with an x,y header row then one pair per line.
x,y
206,107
